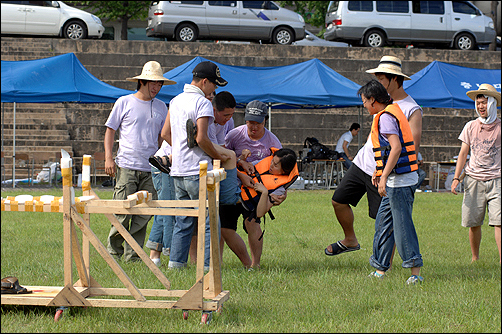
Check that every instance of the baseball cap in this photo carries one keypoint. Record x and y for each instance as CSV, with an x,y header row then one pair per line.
x,y
210,71
256,111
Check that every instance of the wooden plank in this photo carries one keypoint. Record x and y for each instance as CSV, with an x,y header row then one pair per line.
x,y
214,273
108,258
143,211
192,300
68,296
67,239
77,255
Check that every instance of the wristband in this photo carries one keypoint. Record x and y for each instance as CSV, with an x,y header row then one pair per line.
x,y
456,178
238,160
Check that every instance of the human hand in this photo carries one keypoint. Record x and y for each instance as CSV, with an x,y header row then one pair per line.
x,y
259,187
454,185
278,199
247,181
245,154
110,167
248,167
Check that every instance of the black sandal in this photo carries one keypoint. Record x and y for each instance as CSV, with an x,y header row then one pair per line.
x,y
159,164
191,133
10,285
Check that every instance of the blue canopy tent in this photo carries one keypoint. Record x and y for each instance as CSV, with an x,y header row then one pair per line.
x,y
56,79
310,84
442,85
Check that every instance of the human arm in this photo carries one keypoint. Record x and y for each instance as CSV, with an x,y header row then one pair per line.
x,y
395,151
108,144
461,160
205,143
415,122
246,180
345,147
166,130
241,161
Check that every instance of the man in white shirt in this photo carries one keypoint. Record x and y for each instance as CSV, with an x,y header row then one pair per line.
x,y
342,146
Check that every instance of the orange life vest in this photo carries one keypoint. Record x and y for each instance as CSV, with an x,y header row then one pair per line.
x,y
250,197
407,161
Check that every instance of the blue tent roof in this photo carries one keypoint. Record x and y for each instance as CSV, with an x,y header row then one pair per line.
x,y
442,85
56,79
310,83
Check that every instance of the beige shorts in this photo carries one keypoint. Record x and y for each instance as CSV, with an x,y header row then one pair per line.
x,y
478,197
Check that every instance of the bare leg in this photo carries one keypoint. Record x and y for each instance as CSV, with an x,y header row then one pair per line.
x,y
497,239
154,254
345,217
255,245
193,250
237,245
475,241
415,271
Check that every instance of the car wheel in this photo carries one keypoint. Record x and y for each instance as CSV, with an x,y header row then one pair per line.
x,y
374,39
75,30
464,41
283,36
186,32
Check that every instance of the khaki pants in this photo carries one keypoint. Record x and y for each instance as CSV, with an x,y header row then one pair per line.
x,y
129,182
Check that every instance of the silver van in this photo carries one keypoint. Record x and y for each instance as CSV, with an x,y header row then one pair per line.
x,y
187,21
378,23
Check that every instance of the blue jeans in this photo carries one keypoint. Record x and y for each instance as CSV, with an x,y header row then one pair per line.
x,y
186,188
394,223
162,227
421,177
347,163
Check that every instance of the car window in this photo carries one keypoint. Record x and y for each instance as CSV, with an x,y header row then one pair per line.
x,y
223,3
182,2
40,3
463,7
252,4
428,7
361,6
392,6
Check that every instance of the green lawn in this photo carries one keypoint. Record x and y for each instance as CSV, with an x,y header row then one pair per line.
x,y
298,289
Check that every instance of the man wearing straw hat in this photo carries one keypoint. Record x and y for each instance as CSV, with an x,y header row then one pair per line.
x,y
357,180
139,117
482,172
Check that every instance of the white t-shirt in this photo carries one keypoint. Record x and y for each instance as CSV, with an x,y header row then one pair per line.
x,y
190,104
365,158
140,123
164,150
347,136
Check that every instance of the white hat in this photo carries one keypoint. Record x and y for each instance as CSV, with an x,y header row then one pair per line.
x,y
152,72
389,64
485,89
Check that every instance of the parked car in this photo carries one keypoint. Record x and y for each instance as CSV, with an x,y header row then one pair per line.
x,y
312,40
188,21
49,18
458,24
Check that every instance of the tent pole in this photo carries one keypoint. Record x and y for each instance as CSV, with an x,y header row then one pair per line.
x,y
270,116
14,147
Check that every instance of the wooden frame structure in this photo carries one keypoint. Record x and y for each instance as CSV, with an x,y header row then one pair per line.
x,y
205,295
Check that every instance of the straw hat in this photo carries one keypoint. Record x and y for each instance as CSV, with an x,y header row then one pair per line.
x,y
389,64
152,72
485,89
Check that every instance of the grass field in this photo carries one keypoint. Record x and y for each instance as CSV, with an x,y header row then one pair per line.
x,y
298,289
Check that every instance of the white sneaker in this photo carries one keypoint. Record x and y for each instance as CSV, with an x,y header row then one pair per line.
x,y
414,279
156,261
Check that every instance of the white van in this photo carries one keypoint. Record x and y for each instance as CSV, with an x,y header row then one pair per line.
x,y
377,23
49,18
187,21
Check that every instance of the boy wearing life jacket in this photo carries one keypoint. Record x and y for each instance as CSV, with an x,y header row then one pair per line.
x,y
274,174
395,177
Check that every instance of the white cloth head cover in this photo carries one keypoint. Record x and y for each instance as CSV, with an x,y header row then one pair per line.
x,y
492,111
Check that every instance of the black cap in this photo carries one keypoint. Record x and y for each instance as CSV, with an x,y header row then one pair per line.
x,y
210,71
256,111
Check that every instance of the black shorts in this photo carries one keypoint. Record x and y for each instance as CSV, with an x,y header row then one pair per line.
x,y
355,183
229,216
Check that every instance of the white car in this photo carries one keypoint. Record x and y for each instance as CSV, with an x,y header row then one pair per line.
x,y
49,18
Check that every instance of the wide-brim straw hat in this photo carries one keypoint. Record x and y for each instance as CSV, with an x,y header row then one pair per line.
x,y
389,64
152,71
485,89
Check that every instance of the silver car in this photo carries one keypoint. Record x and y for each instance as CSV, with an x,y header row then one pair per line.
x,y
188,21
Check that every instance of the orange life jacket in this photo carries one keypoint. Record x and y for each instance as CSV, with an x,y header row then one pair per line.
x,y
249,197
407,161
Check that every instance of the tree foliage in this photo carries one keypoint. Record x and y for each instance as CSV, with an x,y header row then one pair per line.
x,y
121,11
312,11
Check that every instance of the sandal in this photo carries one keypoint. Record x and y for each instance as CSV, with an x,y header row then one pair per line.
x,y
191,133
10,285
339,248
158,162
